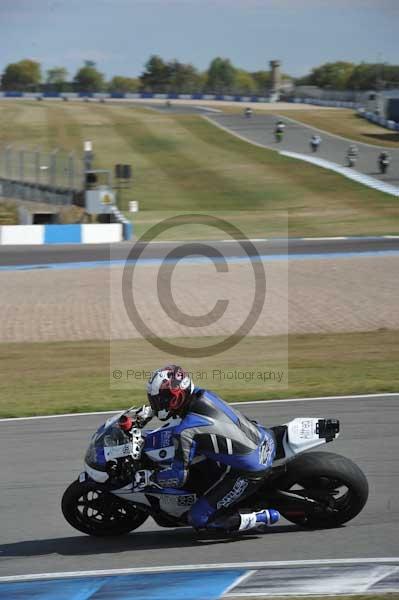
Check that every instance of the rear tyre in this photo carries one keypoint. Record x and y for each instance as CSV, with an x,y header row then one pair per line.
x,y
93,510
337,483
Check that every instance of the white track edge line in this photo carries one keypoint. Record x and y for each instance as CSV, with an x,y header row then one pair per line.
x,y
203,567
280,401
235,134
238,581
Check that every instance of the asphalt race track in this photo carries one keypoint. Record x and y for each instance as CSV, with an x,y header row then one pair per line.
x,y
40,457
62,253
260,129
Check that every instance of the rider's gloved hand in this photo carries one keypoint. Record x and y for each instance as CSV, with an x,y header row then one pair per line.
x,y
142,479
145,413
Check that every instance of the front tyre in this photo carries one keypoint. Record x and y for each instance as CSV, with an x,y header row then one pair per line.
x,y
91,509
337,484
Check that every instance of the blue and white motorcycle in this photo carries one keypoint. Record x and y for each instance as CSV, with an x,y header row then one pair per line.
x,y
310,488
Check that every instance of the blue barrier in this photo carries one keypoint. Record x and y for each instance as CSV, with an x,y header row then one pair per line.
x,y
62,234
127,230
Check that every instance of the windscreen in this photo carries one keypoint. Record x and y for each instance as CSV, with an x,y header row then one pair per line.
x,y
107,443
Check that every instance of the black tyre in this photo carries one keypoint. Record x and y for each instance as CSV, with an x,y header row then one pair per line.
x,y
337,483
91,509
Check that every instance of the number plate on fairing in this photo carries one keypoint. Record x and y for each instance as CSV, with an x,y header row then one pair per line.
x,y
175,505
302,434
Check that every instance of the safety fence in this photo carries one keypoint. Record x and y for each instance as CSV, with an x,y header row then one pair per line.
x,y
55,177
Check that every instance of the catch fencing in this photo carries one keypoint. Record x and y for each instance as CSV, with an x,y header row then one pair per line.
x,y
54,177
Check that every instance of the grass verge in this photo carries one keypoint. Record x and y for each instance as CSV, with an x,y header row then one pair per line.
x,y
59,377
184,163
345,123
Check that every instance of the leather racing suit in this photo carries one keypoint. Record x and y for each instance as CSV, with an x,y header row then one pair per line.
x,y
242,452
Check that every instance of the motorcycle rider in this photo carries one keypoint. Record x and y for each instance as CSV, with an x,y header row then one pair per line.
x,y
352,155
315,142
279,130
241,450
383,161
248,112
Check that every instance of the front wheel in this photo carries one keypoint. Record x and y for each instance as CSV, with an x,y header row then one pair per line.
x,y
337,484
91,509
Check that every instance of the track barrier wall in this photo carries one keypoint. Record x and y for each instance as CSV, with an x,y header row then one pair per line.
x,y
97,233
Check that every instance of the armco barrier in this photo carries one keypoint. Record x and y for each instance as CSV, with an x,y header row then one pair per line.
x,y
96,233
134,96
379,120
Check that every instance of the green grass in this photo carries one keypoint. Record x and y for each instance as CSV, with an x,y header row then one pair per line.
x,y
345,123
184,163
58,377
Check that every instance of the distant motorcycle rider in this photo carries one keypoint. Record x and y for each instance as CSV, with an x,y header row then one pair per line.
x,y
240,451
383,161
352,155
315,142
279,130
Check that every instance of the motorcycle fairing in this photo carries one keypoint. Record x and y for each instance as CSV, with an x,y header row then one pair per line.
x,y
173,502
306,433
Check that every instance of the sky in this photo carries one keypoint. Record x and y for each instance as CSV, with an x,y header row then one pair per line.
x,y
120,35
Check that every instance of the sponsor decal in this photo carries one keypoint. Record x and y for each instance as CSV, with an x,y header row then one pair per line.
x,y
166,438
306,430
266,451
238,488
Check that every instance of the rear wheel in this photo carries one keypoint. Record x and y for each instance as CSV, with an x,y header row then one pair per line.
x,y
95,511
335,482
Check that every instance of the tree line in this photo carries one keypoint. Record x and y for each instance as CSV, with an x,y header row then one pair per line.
x,y
158,76
344,75
221,77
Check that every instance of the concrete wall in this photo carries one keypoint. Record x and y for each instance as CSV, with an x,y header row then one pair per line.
x,y
97,233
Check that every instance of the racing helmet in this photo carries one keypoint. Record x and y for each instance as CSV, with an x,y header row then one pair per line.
x,y
168,390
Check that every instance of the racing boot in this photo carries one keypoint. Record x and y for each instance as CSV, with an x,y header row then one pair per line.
x,y
269,516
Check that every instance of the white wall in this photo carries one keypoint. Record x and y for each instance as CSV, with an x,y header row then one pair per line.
x,y
100,233
21,234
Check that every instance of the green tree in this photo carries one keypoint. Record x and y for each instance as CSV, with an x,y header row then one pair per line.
x,y
262,80
57,78
368,76
24,75
333,75
183,78
156,76
220,76
244,83
123,85
88,78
